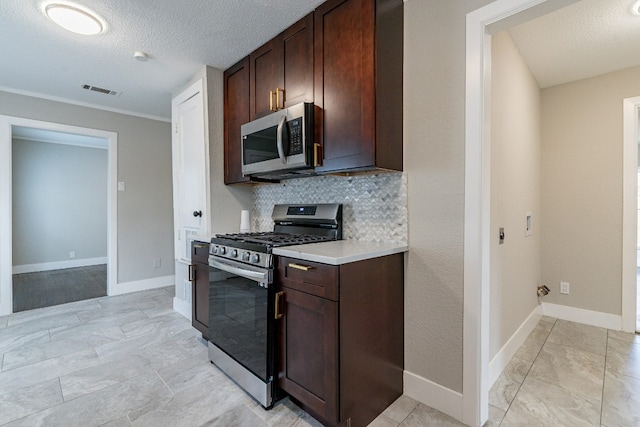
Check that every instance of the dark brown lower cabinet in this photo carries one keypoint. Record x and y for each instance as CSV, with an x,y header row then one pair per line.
x,y
341,337
199,277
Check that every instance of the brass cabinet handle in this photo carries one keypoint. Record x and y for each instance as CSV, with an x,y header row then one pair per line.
x,y
300,267
317,155
278,314
279,100
200,246
192,270
271,107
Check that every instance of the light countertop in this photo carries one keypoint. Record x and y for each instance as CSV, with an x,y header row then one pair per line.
x,y
339,252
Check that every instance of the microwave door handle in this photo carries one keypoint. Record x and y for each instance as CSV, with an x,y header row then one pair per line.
x,y
283,119
262,277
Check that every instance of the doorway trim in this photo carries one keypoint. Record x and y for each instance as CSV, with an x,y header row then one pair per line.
x,y
6,130
629,302
496,16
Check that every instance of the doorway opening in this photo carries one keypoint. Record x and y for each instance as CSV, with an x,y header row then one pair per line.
x,y
59,190
22,215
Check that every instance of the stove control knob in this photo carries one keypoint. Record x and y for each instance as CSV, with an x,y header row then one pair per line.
x,y
214,250
234,253
222,250
246,256
255,258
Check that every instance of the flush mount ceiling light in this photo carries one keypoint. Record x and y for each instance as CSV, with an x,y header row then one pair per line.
x,y
635,9
74,18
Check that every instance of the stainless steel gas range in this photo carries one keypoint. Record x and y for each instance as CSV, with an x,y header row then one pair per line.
x,y
242,295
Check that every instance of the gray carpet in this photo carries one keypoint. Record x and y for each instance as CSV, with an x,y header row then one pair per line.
x,y
48,288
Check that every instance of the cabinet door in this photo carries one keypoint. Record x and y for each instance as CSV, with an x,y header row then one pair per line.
x,y
266,77
236,113
308,352
344,82
297,52
282,70
200,297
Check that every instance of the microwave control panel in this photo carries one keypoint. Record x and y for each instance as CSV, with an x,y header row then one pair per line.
x,y
295,136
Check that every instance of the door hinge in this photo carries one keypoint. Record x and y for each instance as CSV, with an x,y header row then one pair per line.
x,y
176,128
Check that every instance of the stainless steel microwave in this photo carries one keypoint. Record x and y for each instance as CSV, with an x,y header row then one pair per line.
x,y
281,144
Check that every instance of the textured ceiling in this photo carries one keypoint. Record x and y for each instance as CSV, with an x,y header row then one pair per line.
x,y
37,56
588,38
585,39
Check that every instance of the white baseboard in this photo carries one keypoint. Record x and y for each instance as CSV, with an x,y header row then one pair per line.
x,y
580,315
142,285
58,265
509,349
182,307
434,395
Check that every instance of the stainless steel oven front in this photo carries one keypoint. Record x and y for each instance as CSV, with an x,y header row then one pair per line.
x,y
242,325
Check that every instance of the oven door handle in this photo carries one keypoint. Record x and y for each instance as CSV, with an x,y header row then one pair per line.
x,y
262,277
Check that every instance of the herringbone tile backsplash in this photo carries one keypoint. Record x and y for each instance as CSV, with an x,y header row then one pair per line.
x,y
374,205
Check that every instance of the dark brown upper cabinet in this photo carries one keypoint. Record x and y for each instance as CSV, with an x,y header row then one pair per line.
x,y
358,57
282,70
236,113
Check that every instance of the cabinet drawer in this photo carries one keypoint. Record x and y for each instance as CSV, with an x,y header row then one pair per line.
x,y
310,277
200,252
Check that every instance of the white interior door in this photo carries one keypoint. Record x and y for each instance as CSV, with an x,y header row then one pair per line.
x,y
189,149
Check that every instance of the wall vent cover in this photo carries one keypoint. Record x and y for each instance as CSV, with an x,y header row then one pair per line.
x,y
101,90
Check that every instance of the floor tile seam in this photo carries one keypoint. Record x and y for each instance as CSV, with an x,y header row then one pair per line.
x,y
173,394
42,409
604,375
517,391
546,338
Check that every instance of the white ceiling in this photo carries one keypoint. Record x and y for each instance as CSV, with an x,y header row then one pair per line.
x,y
180,37
588,38
585,39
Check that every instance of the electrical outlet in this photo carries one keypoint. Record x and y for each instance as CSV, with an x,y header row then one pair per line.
x,y
72,255
564,288
157,262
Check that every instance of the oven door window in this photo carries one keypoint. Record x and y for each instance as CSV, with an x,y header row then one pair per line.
x,y
238,320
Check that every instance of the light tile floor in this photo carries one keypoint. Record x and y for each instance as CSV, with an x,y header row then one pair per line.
x,y
130,360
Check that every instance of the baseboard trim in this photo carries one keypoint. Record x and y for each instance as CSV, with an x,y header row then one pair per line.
x,y
509,349
58,265
580,315
142,285
182,307
434,395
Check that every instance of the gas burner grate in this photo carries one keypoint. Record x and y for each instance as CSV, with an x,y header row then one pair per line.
x,y
275,239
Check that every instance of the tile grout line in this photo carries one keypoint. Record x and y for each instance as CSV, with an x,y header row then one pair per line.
x,y
604,375
528,371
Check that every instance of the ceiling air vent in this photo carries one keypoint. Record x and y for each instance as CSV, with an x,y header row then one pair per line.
x,y
101,90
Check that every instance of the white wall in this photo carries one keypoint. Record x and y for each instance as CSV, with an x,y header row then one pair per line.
x,y
434,139
59,202
515,190
582,189
145,213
